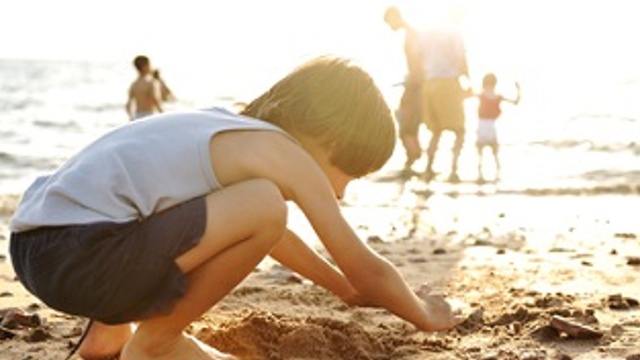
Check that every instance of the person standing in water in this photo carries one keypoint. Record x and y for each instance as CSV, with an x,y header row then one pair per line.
x,y
488,112
146,91
166,94
409,113
442,66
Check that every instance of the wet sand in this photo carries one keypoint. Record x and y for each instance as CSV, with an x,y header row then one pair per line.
x,y
548,275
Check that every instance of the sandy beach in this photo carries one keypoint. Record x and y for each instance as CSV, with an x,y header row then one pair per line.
x,y
547,260
546,276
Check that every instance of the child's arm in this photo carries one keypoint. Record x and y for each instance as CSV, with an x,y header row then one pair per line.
x,y
373,277
301,178
517,98
296,255
469,93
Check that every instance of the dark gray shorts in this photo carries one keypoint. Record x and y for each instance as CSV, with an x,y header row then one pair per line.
x,y
113,273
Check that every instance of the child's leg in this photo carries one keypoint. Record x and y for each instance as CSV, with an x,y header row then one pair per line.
x,y
104,340
244,222
495,148
479,148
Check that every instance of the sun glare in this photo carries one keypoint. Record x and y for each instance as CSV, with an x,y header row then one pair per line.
x,y
538,40
519,39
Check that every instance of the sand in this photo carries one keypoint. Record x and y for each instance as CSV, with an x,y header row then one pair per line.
x,y
547,275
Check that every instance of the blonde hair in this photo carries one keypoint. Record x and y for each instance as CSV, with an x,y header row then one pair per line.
x,y
336,102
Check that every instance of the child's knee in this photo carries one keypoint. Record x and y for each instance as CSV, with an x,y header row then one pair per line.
x,y
267,198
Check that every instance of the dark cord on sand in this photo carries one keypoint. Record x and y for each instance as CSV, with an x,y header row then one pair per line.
x,y
77,345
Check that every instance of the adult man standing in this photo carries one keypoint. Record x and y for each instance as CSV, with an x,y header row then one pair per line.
x,y
443,63
408,114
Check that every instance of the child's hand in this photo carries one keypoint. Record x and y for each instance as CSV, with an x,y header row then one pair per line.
x,y
468,92
442,316
518,91
353,298
356,300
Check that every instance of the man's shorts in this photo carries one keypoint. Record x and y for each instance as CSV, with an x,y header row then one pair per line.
x,y
113,273
443,105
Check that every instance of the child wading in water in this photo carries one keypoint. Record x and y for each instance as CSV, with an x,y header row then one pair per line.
x,y
489,111
156,221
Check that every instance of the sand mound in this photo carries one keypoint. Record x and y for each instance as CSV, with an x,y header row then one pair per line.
x,y
262,335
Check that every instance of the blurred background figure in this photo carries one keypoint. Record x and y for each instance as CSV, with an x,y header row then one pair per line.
x,y
166,94
488,112
147,92
442,65
409,112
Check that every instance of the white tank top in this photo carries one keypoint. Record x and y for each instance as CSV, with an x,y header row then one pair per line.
x,y
132,172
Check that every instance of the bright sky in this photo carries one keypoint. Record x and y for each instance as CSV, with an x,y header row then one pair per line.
x,y
515,36
88,29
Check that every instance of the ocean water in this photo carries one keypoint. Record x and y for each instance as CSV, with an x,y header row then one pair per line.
x,y
577,128
572,137
576,131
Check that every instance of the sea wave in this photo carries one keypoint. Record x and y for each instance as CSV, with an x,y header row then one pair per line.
x,y
98,108
52,108
614,189
489,190
19,103
12,165
591,145
56,124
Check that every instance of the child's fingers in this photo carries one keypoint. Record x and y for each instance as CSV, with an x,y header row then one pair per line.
x,y
457,320
424,291
457,304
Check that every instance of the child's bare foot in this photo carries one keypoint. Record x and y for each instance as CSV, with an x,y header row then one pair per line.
x,y
183,347
211,350
104,341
